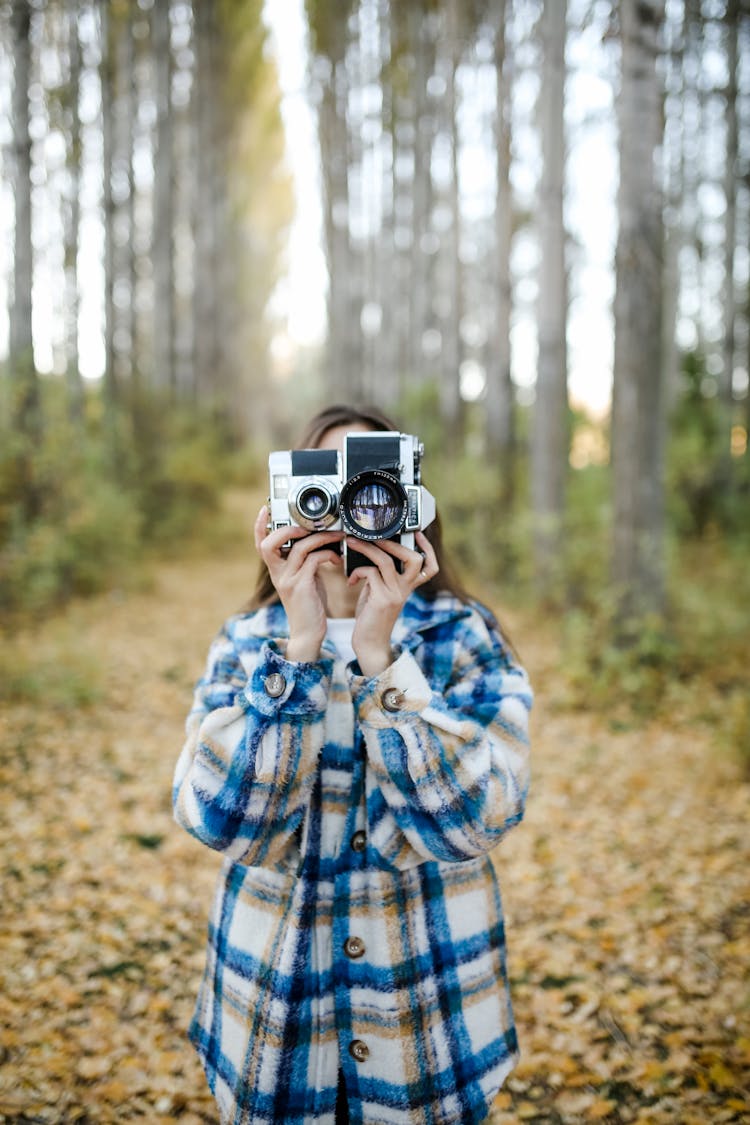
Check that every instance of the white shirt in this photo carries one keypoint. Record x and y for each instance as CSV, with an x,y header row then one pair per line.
x,y
340,631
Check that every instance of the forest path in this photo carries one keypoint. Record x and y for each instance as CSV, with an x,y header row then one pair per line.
x,y
626,889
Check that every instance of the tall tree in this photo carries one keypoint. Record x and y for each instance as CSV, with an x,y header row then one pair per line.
x,y
638,430
329,34
21,350
163,253
107,87
73,214
499,400
420,262
731,168
208,180
549,448
451,355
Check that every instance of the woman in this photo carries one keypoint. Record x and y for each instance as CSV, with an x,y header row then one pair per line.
x,y
356,748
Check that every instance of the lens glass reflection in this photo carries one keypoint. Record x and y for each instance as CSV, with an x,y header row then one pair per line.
x,y
312,503
375,507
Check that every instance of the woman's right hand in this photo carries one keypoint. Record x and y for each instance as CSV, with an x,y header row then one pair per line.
x,y
295,577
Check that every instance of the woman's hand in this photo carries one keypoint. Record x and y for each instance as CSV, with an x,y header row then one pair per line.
x,y
384,592
295,575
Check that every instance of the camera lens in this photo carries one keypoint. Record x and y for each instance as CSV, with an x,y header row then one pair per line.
x,y
373,505
314,504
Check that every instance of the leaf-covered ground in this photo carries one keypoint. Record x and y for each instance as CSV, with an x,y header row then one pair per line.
x,y
627,889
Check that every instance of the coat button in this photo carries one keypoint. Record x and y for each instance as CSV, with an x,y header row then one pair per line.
x,y
354,947
275,685
392,699
359,1050
358,842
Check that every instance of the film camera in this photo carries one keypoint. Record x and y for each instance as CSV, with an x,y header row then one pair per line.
x,y
372,490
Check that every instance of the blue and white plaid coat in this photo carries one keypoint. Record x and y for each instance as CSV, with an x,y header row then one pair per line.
x,y
357,922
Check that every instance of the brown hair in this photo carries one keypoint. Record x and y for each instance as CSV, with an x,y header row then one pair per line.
x,y
370,416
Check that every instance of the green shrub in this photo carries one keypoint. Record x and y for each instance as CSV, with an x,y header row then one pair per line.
x,y
78,506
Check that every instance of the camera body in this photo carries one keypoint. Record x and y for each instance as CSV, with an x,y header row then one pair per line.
x,y
373,490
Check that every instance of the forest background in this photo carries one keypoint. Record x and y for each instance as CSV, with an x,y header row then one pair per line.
x,y
575,358
147,200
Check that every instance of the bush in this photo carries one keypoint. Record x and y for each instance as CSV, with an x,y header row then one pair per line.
x,y
78,507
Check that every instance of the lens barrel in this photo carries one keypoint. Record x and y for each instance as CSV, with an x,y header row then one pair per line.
x,y
374,505
314,504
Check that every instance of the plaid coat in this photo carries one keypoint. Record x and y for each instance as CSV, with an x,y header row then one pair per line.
x,y
357,922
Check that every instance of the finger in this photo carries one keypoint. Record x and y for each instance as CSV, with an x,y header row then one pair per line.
x,y
314,560
303,541
383,559
430,566
260,527
311,544
361,574
271,548
412,562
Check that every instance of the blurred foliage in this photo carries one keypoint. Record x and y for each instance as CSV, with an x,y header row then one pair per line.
x,y
706,489
694,660
79,506
169,478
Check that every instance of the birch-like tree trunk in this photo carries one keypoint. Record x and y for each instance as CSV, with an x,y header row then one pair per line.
x,y
387,375
638,430
206,224
107,85
25,383
450,397
549,446
163,260
72,218
731,160
422,251
130,263
674,185
329,32
499,400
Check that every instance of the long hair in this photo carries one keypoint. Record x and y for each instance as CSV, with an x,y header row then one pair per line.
x,y
374,419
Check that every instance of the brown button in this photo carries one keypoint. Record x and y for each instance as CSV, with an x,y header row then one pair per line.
x,y
354,947
359,1050
392,699
275,685
358,841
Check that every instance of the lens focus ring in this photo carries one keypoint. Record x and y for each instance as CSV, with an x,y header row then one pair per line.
x,y
374,505
314,503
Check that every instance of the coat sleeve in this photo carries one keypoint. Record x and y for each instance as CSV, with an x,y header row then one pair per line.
x,y
447,768
243,780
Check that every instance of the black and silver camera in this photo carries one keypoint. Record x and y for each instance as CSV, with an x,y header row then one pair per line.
x,y
372,491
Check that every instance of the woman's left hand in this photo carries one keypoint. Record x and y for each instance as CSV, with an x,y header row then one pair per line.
x,y
384,592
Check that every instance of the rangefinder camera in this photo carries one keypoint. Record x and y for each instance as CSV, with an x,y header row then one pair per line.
x,y
373,490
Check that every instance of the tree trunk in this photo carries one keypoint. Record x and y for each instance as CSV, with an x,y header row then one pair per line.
x,y
731,158
450,397
107,82
72,220
130,270
164,365
500,431
549,447
25,395
205,219
422,251
638,416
